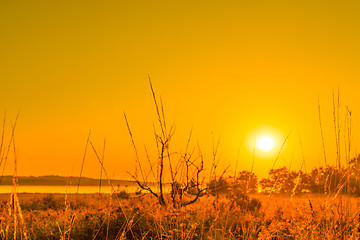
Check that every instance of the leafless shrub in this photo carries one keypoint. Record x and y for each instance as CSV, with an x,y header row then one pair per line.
x,y
185,184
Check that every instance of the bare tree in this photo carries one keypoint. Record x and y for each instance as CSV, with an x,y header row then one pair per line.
x,y
185,185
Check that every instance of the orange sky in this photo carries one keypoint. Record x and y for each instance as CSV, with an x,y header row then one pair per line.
x,y
230,69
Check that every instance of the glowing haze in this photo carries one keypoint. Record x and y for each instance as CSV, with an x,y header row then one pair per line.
x,y
234,70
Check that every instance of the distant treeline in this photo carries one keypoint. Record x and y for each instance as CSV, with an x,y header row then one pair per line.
x,y
281,180
328,179
54,180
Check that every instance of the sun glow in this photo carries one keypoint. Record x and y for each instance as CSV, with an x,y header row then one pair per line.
x,y
265,143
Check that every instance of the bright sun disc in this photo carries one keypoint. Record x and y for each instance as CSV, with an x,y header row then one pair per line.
x,y
265,143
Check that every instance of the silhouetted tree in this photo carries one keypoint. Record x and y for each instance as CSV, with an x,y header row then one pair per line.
x,y
275,182
282,181
218,186
246,182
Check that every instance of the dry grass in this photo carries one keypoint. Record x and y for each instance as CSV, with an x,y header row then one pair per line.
x,y
308,216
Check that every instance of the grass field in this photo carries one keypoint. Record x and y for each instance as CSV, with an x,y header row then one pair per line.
x,y
131,216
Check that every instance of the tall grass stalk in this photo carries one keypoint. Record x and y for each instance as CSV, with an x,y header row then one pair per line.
x,y
14,204
237,159
102,162
5,155
337,129
321,131
127,225
83,161
279,152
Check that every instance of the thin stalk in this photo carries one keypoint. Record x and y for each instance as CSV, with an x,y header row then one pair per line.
x,y
83,161
134,146
336,120
321,130
125,227
237,159
102,162
252,166
302,152
2,139
278,155
6,155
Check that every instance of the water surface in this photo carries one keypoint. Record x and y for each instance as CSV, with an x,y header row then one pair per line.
x,y
65,189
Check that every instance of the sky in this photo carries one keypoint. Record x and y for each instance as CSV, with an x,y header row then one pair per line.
x,y
230,71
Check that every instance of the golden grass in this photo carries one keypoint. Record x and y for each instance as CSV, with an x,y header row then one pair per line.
x,y
86,216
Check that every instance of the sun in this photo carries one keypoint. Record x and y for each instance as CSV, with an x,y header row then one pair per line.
x,y
265,143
